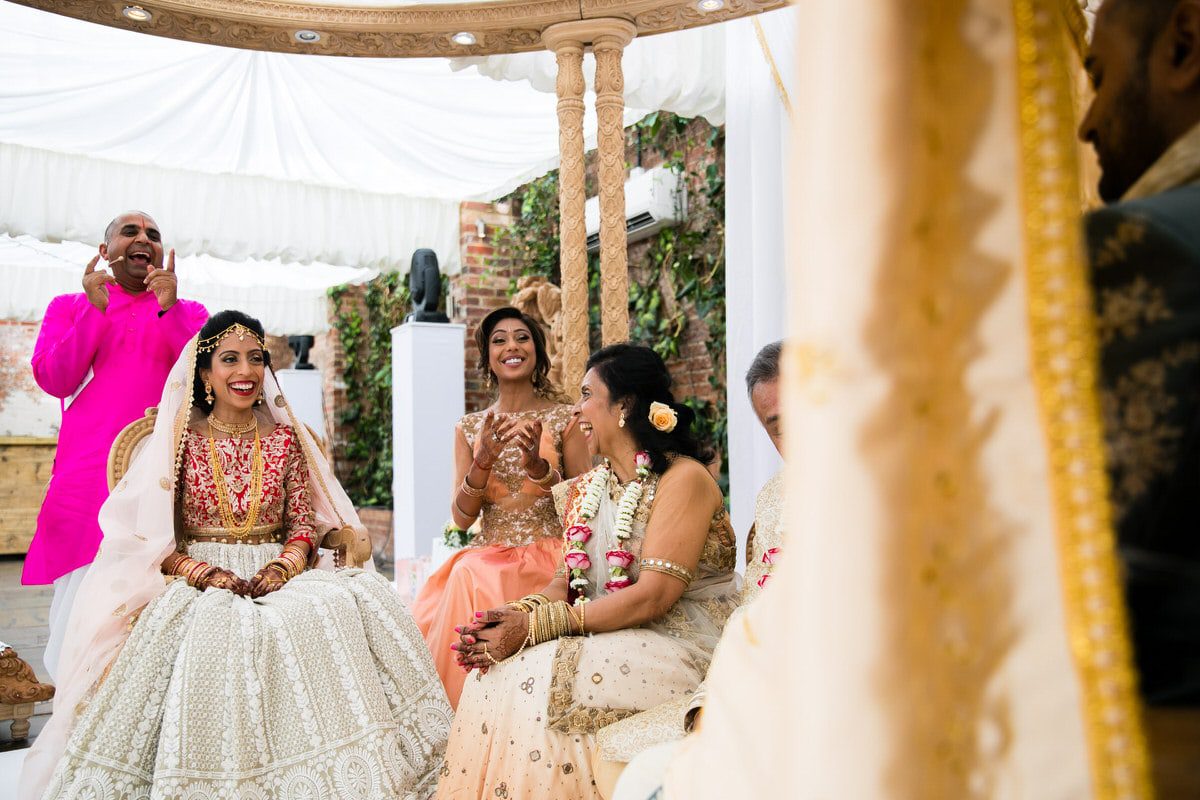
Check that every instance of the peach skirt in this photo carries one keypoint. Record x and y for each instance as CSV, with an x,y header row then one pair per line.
x,y
476,579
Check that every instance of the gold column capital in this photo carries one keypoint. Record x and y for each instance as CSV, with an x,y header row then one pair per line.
x,y
601,32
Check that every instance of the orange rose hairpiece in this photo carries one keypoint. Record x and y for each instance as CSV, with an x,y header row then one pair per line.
x,y
663,417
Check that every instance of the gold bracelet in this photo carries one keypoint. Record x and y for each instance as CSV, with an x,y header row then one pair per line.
x,y
471,491
465,514
667,568
579,621
546,481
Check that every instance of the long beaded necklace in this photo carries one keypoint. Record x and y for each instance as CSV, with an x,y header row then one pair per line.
x,y
224,506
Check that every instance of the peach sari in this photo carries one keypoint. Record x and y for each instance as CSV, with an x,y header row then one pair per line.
x,y
516,552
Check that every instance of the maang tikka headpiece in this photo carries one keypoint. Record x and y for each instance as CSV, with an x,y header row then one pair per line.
x,y
237,328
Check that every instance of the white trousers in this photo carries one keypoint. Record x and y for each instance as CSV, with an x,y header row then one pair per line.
x,y
60,613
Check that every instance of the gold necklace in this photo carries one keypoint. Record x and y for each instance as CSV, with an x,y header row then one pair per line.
x,y
232,428
224,506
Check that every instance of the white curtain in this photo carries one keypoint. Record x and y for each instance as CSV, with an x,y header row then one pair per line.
x,y
757,131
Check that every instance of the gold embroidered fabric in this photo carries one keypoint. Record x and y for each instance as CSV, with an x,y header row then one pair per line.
x,y
1142,443
285,496
768,527
512,515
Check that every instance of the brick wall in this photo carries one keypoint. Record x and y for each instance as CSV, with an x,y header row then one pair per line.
x,y
693,367
328,356
481,287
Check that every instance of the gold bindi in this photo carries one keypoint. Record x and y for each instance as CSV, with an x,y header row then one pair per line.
x,y
236,329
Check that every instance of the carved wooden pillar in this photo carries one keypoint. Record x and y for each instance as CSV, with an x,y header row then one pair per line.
x,y
567,43
608,41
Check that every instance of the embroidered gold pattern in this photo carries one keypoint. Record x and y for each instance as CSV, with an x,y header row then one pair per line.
x,y
516,520
563,713
1141,445
1115,248
1125,310
1065,379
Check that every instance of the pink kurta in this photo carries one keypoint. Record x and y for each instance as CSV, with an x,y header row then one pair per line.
x,y
130,349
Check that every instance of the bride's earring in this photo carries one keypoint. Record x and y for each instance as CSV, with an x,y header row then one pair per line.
x,y
621,421
258,401
208,395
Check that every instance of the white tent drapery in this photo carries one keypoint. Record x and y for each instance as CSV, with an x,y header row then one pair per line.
x,y
286,298
243,154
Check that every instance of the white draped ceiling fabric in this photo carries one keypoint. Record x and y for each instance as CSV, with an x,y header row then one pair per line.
x,y
243,154
681,72
286,298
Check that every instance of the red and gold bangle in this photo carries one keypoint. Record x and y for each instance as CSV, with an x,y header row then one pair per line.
x,y
195,571
301,537
206,575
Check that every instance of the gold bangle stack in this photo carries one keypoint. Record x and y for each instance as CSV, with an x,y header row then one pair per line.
x,y
529,602
471,491
550,621
667,568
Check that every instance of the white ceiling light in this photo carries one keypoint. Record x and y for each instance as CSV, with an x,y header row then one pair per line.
x,y
307,37
710,5
136,13
465,38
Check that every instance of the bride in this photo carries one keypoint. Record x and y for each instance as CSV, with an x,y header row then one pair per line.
x,y
246,673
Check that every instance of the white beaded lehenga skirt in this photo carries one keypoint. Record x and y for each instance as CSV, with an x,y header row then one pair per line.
x,y
323,689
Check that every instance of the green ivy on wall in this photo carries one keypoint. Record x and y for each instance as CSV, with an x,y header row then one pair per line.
x,y
682,265
365,333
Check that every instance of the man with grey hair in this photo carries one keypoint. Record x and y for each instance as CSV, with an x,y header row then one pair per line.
x,y
762,384
655,732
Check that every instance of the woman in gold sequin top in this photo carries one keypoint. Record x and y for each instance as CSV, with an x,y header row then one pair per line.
x,y
508,457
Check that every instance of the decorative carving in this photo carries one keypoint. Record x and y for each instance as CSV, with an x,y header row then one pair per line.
x,y
542,300
511,26
607,44
572,230
19,690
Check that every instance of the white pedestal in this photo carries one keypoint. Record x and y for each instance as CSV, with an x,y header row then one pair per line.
x,y
303,389
427,400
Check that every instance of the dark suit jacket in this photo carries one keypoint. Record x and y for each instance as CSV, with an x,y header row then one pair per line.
x,y
1145,264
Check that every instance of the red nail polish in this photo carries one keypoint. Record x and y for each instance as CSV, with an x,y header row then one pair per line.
x,y
478,615
454,646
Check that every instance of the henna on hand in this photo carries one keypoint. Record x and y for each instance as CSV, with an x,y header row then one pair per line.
x,y
224,579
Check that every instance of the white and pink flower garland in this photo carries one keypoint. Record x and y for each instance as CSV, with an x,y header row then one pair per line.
x,y
619,559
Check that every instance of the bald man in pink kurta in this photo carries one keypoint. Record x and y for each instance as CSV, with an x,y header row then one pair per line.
x,y
106,353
